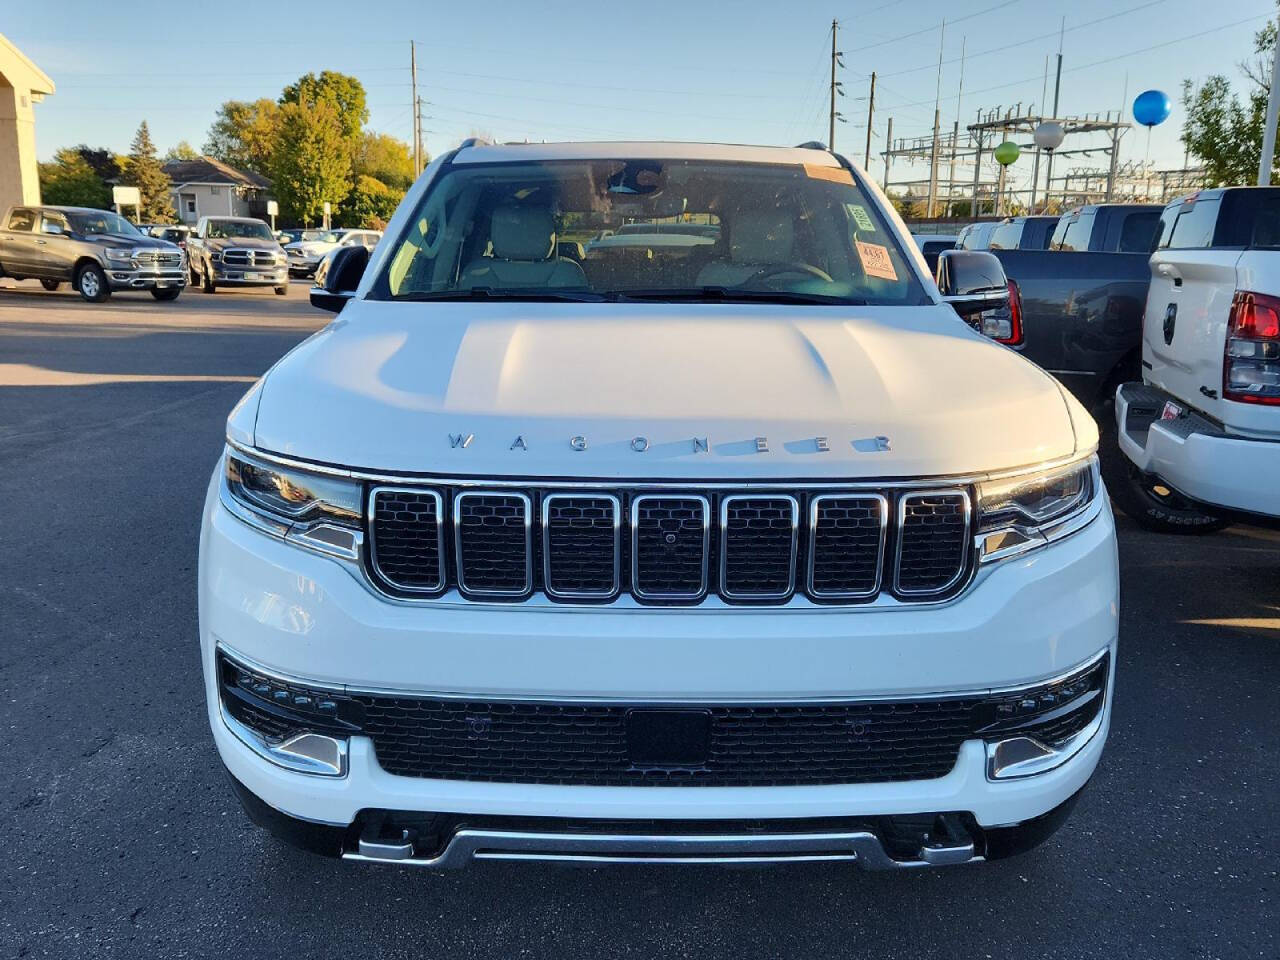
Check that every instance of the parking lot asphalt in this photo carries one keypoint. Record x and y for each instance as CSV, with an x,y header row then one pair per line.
x,y
122,837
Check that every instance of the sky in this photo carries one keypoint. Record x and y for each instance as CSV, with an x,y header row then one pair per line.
x,y
746,72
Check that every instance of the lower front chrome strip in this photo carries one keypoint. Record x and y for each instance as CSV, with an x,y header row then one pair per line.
x,y
861,847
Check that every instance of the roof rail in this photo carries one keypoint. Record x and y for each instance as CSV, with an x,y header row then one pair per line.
x,y
475,142
811,145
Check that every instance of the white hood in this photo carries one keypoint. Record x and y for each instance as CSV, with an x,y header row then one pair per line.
x,y
397,386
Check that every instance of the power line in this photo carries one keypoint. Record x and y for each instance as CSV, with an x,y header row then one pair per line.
x,y
918,33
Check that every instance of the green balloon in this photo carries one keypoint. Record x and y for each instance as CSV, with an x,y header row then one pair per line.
x,y
1006,153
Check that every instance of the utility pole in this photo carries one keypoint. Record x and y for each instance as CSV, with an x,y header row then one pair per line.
x,y
931,206
1057,89
1115,143
871,113
888,152
417,110
1269,132
835,84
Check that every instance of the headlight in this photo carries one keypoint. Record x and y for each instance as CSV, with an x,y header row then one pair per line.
x,y
314,510
215,256
1019,513
119,253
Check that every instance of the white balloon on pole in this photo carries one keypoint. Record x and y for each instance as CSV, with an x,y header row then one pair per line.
x,y
1049,135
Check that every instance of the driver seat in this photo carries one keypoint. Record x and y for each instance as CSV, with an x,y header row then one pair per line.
x,y
524,254
758,239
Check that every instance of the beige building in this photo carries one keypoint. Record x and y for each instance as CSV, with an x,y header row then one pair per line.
x,y
22,85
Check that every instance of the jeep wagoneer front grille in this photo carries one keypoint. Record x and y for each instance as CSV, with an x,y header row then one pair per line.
x,y
670,547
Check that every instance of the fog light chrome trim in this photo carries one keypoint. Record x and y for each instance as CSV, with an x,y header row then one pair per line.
x,y
1023,756
316,754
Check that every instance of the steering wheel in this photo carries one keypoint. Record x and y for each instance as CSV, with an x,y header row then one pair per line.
x,y
768,273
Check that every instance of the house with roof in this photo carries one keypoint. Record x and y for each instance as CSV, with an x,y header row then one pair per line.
x,y
206,187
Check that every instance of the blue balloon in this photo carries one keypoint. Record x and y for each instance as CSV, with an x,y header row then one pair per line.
x,y
1152,107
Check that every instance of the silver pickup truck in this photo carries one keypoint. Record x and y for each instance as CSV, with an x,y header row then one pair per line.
x,y
96,250
236,252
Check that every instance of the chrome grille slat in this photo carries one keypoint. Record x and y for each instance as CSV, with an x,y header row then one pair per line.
x,y
493,543
758,546
670,547
581,545
902,543
846,545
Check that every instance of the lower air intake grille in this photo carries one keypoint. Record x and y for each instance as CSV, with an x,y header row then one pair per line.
x,y
758,544
408,542
493,543
933,541
670,546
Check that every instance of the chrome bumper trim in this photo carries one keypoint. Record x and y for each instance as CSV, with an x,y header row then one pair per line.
x,y
312,753
861,847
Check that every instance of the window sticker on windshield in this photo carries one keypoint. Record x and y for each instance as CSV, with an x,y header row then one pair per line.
x,y
861,217
875,260
834,174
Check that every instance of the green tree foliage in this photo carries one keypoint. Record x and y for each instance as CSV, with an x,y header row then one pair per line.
x,y
385,158
371,204
244,134
344,93
311,161
144,172
1223,131
181,151
104,162
70,181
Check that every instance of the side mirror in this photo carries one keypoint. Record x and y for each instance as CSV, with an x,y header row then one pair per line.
x,y
972,281
338,276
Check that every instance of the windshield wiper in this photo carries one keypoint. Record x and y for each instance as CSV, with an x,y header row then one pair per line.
x,y
489,293
731,295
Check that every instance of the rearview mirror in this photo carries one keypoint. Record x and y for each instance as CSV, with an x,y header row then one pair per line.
x,y
972,281
338,276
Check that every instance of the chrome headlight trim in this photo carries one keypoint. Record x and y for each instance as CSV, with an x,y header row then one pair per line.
x,y
1016,531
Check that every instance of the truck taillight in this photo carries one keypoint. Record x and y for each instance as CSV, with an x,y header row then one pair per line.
x,y
1005,326
1251,365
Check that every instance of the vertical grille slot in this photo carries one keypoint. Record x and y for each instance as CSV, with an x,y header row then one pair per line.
x,y
933,541
493,543
407,546
846,545
758,546
580,544
670,540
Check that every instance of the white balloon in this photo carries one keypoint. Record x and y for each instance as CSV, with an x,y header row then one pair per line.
x,y
1049,135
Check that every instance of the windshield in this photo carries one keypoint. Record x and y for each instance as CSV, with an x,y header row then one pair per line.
x,y
649,229
101,221
230,229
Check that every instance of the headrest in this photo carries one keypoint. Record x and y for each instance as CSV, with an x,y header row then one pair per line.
x,y
522,233
761,236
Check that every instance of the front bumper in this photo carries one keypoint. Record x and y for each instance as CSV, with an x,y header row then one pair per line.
x,y
274,276
1196,457
140,279
300,267
1024,620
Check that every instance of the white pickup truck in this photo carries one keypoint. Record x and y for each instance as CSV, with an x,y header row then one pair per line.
x,y
1203,428
742,551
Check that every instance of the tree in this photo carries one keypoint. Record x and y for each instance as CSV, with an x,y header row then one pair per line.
x,y
70,181
104,162
385,158
145,173
342,92
181,151
372,203
311,161
1222,131
244,134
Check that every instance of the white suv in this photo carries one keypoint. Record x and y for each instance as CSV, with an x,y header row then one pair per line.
x,y
1203,428
739,551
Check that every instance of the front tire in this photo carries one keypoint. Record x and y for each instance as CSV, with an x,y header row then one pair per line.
x,y
50,285
281,291
169,293
91,283
1147,501
207,283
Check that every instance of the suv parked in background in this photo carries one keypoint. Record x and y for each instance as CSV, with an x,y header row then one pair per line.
x,y
697,553
1203,428
1107,227
96,250
236,252
1021,233
306,254
173,232
976,236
